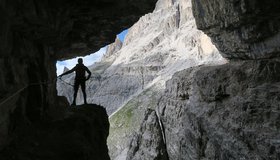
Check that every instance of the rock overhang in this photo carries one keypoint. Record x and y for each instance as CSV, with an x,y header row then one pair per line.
x,y
72,27
241,29
34,34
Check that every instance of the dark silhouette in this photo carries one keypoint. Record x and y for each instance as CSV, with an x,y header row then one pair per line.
x,y
80,79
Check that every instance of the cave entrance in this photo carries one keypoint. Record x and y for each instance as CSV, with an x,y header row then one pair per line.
x,y
65,84
88,60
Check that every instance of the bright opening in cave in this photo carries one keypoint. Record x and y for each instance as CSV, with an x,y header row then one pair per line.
x,y
88,60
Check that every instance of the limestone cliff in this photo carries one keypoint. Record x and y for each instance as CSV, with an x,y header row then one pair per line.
x,y
166,38
230,111
235,118
112,50
65,69
158,45
149,142
208,111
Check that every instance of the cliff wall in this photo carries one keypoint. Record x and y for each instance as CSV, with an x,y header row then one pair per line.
x,y
227,111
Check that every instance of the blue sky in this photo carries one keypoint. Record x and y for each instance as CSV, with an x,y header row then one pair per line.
x,y
122,35
88,60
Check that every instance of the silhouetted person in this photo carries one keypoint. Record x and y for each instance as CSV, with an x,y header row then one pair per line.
x,y
80,79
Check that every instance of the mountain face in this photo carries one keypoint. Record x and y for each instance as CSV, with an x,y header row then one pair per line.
x,y
173,95
111,51
235,118
132,78
151,134
157,46
65,69
229,111
220,112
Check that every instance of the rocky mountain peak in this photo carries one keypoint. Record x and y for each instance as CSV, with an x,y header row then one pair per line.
x,y
65,69
112,49
161,4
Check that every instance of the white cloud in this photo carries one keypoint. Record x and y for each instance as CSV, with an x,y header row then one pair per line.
x,y
88,60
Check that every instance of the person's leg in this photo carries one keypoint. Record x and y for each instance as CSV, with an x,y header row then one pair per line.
x,y
76,88
83,86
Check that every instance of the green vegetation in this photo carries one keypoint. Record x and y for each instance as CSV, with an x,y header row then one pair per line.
x,y
128,119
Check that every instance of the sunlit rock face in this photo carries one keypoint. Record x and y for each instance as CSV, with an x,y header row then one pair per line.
x,y
241,29
34,34
112,49
229,111
131,76
158,45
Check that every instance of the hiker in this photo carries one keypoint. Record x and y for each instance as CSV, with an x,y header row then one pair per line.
x,y
80,79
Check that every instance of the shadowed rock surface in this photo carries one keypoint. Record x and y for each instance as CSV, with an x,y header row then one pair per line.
x,y
80,134
223,112
236,118
132,76
70,27
149,142
34,35
230,111
241,29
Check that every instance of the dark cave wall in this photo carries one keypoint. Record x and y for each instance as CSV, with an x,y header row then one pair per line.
x,y
24,62
80,134
73,27
34,34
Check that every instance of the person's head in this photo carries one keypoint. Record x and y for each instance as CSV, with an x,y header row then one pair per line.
x,y
80,61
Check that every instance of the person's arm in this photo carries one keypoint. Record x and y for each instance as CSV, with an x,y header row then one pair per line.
x,y
68,72
89,73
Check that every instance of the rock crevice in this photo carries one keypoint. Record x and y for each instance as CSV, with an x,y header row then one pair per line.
x,y
148,143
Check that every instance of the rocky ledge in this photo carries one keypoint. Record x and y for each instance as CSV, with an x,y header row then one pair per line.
x,y
80,134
